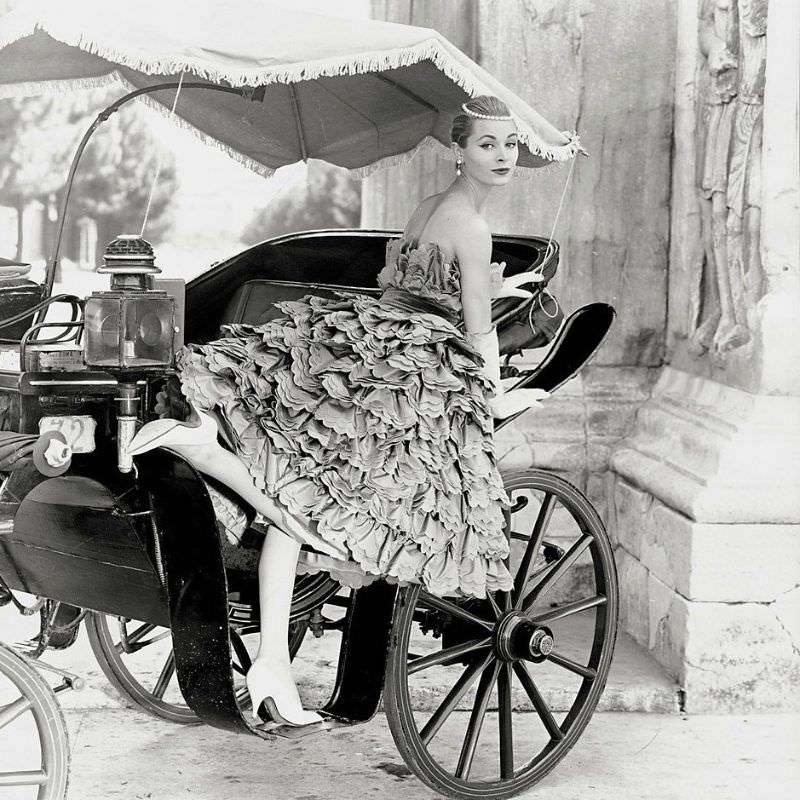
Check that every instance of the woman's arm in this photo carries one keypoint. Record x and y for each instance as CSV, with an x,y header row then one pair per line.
x,y
474,252
473,249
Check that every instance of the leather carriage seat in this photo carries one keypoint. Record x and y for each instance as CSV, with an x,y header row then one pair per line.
x,y
254,301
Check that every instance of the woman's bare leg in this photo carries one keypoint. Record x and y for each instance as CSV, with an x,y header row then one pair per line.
x,y
229,469
270,675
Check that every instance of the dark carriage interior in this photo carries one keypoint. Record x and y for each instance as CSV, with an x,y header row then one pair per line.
x,y
243,288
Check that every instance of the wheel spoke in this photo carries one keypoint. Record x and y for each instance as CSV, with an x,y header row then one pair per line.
x,y
547,578
572,666
167,671
13,710
32,778
439,717
455,610
126,642
505,723
447,654
140,632
476,719
493,603
568,609
241,653
534,545
538,702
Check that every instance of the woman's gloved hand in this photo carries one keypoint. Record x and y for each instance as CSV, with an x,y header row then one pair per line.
x,y
509,287
504,403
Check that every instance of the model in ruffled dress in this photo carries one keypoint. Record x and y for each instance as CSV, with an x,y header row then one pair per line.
x,y
363,426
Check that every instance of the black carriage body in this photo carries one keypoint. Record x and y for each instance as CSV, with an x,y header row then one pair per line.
x,y
86,538
69,538
72,538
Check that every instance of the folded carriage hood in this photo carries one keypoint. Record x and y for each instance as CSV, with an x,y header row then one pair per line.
x,y
346,257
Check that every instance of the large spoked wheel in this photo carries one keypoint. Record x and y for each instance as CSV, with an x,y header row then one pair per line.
x,y
138,659
34,746
544,648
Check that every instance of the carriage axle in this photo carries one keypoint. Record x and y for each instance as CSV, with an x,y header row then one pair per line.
x,y
517,638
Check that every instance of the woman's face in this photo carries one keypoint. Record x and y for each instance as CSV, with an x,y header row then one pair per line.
x,y
491,151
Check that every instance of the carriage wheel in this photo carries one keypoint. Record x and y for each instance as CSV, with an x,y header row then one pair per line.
x,y
137,657
129,650
29,710
544,647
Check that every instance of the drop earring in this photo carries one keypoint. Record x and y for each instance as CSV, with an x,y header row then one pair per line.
x,y
458,167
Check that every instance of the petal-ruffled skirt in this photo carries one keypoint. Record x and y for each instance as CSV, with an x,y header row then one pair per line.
x,y
371,425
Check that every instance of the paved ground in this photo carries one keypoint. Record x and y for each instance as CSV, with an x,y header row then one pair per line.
x,y
120,752
621,756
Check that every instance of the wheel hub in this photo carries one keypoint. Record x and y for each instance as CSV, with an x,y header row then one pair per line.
x,y
518,638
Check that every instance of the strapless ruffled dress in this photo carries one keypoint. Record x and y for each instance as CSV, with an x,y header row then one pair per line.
x,y
367,418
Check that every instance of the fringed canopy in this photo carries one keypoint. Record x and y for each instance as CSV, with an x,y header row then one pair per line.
x,y
361,94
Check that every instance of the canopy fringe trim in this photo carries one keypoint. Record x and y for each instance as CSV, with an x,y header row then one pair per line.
x,y
428,143
433,50
33,88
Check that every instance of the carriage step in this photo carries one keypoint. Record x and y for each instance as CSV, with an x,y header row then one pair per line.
x,y
275,729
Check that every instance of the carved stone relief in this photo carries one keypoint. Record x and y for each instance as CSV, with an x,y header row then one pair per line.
x,y
732,43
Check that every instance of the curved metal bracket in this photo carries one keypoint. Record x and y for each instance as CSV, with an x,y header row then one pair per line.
x,y
101,118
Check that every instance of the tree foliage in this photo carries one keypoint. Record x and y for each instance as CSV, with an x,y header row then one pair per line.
x,y
328,198
38,138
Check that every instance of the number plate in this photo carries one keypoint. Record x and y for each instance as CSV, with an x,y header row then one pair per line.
x,y
78,430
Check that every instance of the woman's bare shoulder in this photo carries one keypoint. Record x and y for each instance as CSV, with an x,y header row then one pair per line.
x,y
461,220
467,230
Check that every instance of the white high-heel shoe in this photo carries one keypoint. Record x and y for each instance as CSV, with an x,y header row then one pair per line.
x,y
261,687
199,428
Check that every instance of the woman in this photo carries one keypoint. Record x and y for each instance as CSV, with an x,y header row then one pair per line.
x,y
363,426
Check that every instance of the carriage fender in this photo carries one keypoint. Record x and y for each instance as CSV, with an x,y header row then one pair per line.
x,y
197,590
197,586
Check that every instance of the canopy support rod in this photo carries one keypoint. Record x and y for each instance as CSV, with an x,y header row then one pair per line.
x,y
50,273
298,122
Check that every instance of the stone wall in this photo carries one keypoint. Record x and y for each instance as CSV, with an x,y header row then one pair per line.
x,y
705,493
615,224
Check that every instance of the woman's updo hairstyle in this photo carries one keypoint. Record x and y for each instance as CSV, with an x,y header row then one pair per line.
x,y
482,106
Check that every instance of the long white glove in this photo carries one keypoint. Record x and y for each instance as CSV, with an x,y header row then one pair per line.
x,y
509,287
504,403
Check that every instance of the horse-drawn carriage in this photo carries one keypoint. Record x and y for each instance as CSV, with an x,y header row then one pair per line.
x,y
140,550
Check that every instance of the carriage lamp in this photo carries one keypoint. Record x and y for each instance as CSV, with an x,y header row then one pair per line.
x,y
131,326
129,329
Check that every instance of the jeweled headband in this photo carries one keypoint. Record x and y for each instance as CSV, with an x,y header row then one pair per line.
x,y
478,115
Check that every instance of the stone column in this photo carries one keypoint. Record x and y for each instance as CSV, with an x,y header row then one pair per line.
x,y
706,492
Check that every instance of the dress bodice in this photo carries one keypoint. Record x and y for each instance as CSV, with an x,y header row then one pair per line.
x,y
421,269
